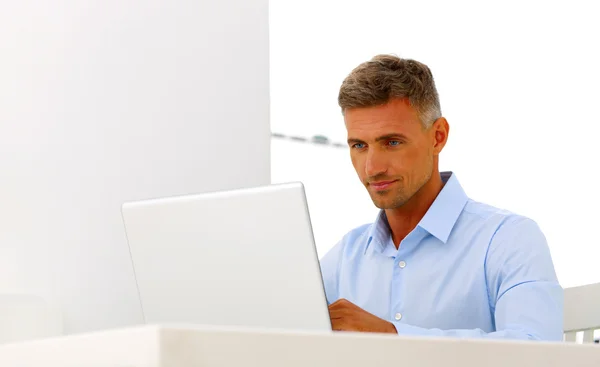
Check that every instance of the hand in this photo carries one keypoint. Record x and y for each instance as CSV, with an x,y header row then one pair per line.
x,y
346,316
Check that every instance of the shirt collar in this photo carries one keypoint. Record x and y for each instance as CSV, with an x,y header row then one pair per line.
x,y
445,210
379,233
439,219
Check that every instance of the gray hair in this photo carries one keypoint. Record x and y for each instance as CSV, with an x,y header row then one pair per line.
x,y
387,77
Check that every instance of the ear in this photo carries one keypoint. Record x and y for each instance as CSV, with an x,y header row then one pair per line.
x,y
440,130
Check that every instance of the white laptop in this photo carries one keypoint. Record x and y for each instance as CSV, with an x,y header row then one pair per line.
x,y
243,258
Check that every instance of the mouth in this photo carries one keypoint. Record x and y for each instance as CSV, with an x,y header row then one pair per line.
x,y
381,185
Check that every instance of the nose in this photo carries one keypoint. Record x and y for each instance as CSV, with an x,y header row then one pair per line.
x,y
375,164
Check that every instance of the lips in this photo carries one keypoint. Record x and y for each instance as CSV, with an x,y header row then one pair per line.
x,y
381,185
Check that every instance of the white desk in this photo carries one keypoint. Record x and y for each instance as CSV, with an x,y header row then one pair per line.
x,y
156,346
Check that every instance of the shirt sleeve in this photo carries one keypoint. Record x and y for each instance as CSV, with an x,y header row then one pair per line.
x,y
330,265
524,293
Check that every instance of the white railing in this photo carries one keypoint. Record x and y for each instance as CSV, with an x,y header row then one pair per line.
x,y
188,346
582,314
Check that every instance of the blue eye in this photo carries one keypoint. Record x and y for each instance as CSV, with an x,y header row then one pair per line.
x,y
358,145
394,143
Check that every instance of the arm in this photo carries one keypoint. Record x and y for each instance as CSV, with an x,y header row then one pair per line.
x,y
330,270
525,295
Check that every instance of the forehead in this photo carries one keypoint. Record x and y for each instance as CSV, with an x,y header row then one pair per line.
x,y
396,116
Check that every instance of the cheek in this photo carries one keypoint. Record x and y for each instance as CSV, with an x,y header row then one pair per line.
x,y
405,161
415,156
358,164
421,162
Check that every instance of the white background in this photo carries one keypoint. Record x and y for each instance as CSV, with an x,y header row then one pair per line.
x,y
518,82
103,102
107,101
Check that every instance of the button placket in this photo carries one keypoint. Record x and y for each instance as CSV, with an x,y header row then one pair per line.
x,y
398,287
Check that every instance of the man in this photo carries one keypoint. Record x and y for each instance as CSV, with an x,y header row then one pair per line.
x,y
434,262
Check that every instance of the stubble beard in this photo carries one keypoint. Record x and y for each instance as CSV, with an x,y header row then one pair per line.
x,y
397,197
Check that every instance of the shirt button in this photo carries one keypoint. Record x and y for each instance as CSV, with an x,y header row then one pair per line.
x,y
398,316
402,264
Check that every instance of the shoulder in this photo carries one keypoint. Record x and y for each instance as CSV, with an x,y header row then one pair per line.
x,y
500,221
503,232
485,212
353,241
510,236
358,235
517,251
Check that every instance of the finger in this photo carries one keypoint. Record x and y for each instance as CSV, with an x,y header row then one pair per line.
x,y
340,304
341,301
334,314
337,325
341,314
340,310
334,305
340,325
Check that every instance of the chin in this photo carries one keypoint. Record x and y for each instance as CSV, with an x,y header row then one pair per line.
x,y
387,204
383,204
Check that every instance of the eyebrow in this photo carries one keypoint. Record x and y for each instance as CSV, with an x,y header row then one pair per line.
x,y
379,138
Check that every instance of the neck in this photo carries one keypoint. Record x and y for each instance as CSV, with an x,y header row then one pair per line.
x,y
404,219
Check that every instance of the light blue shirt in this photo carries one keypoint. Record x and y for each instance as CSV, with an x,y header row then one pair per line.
x,y
467,270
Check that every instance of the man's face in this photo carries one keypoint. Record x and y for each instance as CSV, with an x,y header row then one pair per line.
x,y
391,151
